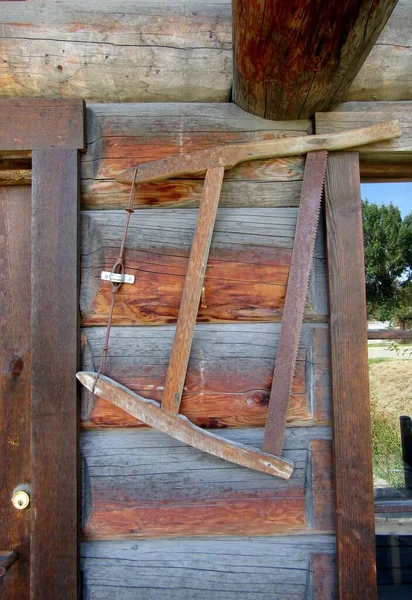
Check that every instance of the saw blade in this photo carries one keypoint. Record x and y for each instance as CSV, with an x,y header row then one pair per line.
x,y
296,294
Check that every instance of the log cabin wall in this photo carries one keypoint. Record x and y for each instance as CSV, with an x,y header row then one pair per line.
x,y
160,519
151,51
158,514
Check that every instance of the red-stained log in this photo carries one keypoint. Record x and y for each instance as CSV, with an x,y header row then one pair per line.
x,y
120,136
292,59
143,484
246,273
228,379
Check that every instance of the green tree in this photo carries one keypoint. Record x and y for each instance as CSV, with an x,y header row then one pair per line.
x,y
388,262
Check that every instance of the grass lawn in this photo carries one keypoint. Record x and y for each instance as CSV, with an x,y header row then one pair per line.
x,y
391,396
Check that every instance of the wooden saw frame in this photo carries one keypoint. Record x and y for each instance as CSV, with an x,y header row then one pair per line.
x,y
214,161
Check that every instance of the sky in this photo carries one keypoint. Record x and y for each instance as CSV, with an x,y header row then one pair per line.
x,y
400,194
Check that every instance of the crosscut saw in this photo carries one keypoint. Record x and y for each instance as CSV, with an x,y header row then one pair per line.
x,y
214,161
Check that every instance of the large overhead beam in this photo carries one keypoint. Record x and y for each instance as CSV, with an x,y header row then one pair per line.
x,y
295,57
157,51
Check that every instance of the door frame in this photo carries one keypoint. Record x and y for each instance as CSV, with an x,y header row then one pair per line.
x,y
51,133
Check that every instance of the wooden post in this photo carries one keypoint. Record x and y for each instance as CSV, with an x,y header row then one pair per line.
x,y
355,524
15,359
38,354
54,410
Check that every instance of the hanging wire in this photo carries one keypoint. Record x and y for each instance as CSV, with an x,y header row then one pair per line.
x,y
118,268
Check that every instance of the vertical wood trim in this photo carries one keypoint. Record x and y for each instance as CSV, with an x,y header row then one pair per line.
x,y
54,406
355,526
15,356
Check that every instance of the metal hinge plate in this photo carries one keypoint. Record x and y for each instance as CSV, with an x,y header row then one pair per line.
x,y
117,277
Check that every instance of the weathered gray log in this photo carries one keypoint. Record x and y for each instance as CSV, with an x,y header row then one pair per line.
x,y
246,276
120,136
218,568
391,160
141,483
111,51
229,376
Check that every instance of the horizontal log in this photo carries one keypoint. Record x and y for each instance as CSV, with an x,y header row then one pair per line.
x,y
393,517
185,193
208,568
111,51
391,160
229,375
141,484
178,427
231,155
246,275
386,73
390,334
120,136
15,167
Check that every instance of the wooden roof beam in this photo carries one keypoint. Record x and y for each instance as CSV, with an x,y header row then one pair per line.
x,y
293,58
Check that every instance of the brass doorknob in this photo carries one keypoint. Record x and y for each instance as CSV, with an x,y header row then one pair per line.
x,y
21,497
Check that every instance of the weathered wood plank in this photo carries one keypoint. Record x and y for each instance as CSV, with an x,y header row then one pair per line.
x,y
391,160
386,73
15,167
295,300
393,517
54,343
117,51
246,274
111,51
15,358
53,123
355,525
291,60
192,291
185,193
229,375
178,427
273,568
143,484
230,155
323,571
120,136
365,114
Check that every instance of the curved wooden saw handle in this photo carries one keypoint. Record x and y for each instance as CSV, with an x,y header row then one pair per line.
x,y
228,156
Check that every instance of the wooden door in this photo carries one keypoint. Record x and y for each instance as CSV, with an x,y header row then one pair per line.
x,y
39,144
